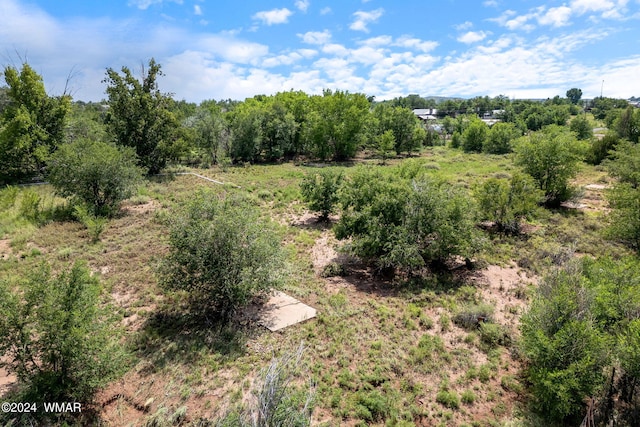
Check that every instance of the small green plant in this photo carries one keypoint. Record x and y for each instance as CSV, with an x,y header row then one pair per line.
x,y
320,191
57,339
8,197
333,269
468,397
95,225
30,206
448,399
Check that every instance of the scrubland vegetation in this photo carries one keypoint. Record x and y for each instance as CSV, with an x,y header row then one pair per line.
x,y
464,275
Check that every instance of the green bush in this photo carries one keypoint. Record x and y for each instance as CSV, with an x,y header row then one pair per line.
x,y
320,191
500,137
406,225
551,157
508,202
449,399
624,220
624,163
97,174
95,225
8,197
221,252
30,206
56,338
471,316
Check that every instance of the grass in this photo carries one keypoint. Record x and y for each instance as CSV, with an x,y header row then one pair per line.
x,y
377,350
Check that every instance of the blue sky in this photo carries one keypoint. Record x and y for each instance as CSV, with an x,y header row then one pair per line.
x,y
236,49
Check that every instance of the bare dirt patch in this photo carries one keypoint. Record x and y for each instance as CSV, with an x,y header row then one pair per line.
x,y
5,249
6,380
504,288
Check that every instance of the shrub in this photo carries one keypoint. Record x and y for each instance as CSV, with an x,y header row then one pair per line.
x,y
449,399
468,397
499,139
8,197
508,202
56,338
581,127
97,174
221,252
405,225
474,136
471,316
320,191
30,206
95,225
600,148
624,163
624,220
551,157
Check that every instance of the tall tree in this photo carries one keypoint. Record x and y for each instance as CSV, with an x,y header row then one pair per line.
x,y
574,95
139,116
31,125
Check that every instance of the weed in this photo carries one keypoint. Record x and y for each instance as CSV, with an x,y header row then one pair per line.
x,y
448,399
468,397
474,316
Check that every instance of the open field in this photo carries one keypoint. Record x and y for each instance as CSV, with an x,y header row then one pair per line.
x,y
382,350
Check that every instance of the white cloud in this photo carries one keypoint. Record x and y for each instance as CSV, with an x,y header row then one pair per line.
x,y
556,16
302,5
490,3
273,17
363,19
316,37
325,10
144,4
197,10
464,26
377,41
584,6
416,44
472,37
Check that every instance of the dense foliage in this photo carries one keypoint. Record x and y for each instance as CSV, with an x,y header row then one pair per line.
x,y
582,324
405,223
97,174
507,202
55,336
320,191
551,157
31,125
222,253
139,117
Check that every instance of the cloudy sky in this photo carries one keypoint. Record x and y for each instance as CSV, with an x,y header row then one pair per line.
x,y
219,49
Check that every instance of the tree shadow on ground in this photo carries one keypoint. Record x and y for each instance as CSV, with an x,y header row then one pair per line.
x,y
173,336
386,282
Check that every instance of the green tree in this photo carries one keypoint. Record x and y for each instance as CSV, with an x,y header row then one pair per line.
x,y
139,116
624,163
247,130
385,146
566,351
499,139
601,147
407,225
55,336
211,133
474,136
320,191
574,95
31,125
551,157
335,126
222,253
507,202
97,174
582,128
624,219
628,124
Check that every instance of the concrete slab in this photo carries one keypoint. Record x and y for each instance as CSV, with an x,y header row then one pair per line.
x,y
282,310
